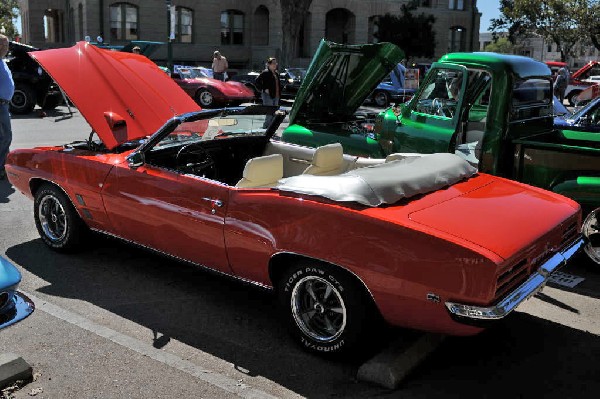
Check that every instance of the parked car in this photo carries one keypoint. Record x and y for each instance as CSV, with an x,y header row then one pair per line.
x,y
583,125
449,247
579,81
390,89
14,305
247,79
504,129
209,92
291,80
32,85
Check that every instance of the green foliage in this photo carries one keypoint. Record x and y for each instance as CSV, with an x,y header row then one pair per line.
x,y
9,10
412,33
501,45
564,22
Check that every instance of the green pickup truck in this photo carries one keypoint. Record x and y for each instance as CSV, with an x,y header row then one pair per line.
x,y
494,110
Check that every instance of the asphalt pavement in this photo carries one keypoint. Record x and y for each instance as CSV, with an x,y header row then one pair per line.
x,y
116,321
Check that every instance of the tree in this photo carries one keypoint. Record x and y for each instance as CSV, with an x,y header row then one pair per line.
x,y
555,20
589,20
9,10
412,33
293,13
501,45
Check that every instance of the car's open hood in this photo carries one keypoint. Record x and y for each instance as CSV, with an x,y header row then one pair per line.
x,y
340,77
123,96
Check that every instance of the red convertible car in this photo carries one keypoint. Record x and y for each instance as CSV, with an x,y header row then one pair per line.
x,y
425,242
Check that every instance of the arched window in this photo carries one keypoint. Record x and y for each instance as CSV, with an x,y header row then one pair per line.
x,y
123,19
183,25
340,25
260,30
456,39
232,27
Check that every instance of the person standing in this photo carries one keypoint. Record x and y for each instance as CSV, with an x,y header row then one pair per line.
x,y
268,83
561,83
219,66
7,89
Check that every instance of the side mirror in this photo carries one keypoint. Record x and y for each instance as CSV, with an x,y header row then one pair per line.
x,y
135,159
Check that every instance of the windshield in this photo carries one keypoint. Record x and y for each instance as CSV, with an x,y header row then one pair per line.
x,y
192,73
216,128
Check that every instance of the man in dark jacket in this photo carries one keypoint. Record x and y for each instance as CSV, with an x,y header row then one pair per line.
x,y
268,83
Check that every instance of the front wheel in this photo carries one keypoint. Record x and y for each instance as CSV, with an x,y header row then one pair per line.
x,y
381,98
572,98
57,221
591,231
325,309
23,99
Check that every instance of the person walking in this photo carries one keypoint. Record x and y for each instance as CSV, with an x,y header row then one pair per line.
x,y
219,66
7,89
268,83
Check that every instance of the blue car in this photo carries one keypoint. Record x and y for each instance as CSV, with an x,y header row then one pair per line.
x,y
584,120
14,306
391,90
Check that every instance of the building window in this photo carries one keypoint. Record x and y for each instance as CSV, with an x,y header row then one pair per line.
x,y
456,39
53,26
123,21
456,4
425,3
232,27
260,26
183,25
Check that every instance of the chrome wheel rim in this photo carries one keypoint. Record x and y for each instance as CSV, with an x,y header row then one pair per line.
x,y
53,218
206,98
591,227
318,309
380,99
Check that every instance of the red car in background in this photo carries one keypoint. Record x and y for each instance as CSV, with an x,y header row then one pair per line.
x,y
209,92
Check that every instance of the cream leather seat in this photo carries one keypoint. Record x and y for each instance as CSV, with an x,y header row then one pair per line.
x,y
262,172
328,160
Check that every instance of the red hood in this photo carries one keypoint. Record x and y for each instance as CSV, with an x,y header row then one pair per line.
x,y
118,86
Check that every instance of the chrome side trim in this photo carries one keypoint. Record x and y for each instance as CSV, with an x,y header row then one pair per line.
x,y
532,286
300,160
22,308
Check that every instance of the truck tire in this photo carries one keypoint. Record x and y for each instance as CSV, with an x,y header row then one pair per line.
x,y
23,100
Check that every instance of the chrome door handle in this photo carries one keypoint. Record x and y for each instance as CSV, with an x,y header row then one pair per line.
x,y
216,202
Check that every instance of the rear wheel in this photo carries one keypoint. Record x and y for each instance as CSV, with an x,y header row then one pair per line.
x,y
57,221
381,98
591,231
23,100
205,98
325,308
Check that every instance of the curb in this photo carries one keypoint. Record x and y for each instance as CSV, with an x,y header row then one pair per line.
x,y
12,369
390,367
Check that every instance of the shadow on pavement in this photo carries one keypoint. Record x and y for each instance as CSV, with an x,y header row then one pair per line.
x,y
58,114
524,356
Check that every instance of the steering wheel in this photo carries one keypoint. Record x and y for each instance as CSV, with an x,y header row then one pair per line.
x,y
194,159
440,107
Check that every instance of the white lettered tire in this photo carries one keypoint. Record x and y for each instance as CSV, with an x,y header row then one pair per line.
x,y
325,308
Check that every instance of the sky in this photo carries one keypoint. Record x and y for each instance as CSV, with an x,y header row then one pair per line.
x,y
489,9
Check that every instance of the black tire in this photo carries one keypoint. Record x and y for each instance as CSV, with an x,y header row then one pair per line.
x,y
57,221
205,98
572,97
23,100
381,98
326,310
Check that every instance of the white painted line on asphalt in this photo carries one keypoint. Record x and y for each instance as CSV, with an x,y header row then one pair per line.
x,y
218,380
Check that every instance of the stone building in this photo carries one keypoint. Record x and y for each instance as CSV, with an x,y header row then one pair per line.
x,y
245,31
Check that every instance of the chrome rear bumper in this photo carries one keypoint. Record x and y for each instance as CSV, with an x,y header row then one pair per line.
x,y
530,287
